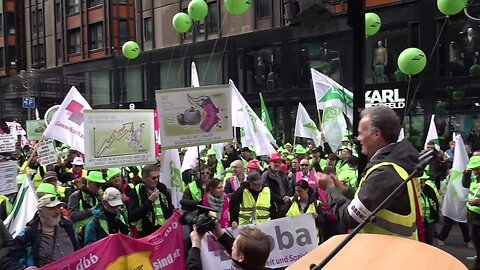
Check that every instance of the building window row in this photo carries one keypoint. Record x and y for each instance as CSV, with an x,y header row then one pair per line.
x,y
96,36
73,6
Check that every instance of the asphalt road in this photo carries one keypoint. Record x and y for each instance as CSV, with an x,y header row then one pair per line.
x,y
455,246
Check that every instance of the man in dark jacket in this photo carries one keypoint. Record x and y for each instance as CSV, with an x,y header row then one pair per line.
x,y
48,237
278,182
378,133
150,205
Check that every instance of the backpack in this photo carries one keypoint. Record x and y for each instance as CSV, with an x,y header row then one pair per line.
x,y
81,231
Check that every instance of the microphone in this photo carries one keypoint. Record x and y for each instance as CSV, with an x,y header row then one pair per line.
x,y
425,155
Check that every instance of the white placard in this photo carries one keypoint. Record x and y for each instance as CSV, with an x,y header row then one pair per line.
x,y
8,177
46,153
7,143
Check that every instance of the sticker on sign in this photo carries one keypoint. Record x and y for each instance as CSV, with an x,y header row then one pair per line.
x,y
7,143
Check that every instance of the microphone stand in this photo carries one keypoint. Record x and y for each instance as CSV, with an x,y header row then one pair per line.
x,y
423,160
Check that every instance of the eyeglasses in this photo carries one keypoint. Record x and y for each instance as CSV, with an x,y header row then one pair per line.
x,y
304,165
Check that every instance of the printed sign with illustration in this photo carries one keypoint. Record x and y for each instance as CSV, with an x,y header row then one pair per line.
x,y
8,177
194,116
35,129
118,138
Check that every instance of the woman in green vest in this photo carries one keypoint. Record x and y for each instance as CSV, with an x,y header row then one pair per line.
x,y
195,190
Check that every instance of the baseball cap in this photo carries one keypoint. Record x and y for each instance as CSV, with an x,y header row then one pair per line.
x,y
113,172
253,164
47,188
49,175
285,151
474,162
78,161
211,152
255,177
275,157
113,197
288,144
300,150
95,176
49,200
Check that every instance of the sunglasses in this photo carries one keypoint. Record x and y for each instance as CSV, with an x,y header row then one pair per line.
x,y
304,165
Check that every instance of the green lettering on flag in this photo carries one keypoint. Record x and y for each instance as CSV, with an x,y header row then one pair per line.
x,y
337,93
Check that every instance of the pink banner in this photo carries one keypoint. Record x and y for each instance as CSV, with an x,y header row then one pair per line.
x,y
163,249
156,126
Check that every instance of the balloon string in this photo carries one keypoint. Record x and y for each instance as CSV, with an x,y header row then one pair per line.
x,y
213,50
169,63
408,93
124,82
428,63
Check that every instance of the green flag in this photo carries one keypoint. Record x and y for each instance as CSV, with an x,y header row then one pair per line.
x,y
265,116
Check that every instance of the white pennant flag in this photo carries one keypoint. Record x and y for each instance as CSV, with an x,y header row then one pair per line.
x,y
256,134
305,127
455,202
37,114
67,125
432,134
171,176
194,80
401,135
25,207
191,157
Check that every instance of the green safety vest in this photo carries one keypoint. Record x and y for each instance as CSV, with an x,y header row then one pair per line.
x,y
197,194
251,211
81,207
350,176
159,217
474,194
295,208
8,204
388,222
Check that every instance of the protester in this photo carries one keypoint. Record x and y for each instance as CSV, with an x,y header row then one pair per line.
x,y
350,175
430,209
218,200
253,166
150,205
390,164
114,178
471,180
307,175
277,181
108,218
82,202
253,202
216,167
249,251
194,192
48,237
77,168
234,182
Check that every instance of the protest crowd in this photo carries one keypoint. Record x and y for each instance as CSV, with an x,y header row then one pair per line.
x,y
78,207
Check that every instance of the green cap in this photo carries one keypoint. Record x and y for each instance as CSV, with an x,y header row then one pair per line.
x,y
96,176
474,162
290,157
211,152
425,176
288,144
113,172
21,178
300,150
47,188
285,151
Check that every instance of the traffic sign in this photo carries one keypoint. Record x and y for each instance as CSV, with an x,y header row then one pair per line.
x,y
29,103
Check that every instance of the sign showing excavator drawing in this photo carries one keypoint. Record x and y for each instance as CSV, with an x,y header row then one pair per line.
x,y
193,116
118,138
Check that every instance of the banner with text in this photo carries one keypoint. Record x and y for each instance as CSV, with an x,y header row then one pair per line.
x,y
122,252
194,116
118,138
291,238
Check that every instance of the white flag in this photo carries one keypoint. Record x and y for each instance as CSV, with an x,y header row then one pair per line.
x,y
191,157
194,80
454,137
335,126
305,127
455,202
67,125
171,176
37,114
432,134
401,135
255,131
24,209
329,93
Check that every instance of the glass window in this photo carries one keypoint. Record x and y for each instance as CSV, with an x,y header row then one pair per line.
x,y
59,50
73,6
93,3
1,24
258,69
34,21
74,41
213,21
200,28
264,8
100,87
96,36
209,73
123,31
58,12
40,21
148,29
2,57
41,53
134,84
172,74
382,52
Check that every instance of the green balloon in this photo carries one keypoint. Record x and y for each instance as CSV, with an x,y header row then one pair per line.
x,y
237,7
197,10
412,61
474,70
181,22
372,23
130,50
451,7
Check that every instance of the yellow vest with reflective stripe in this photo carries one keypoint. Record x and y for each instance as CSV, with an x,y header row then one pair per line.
x,y
388,222
251,211
295,209
158,210
474,194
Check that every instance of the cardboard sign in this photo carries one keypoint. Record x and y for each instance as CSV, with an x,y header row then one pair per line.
x,y
7,143
35,129
8,177
46,153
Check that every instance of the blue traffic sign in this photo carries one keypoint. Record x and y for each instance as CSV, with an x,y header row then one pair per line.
x,y
29,103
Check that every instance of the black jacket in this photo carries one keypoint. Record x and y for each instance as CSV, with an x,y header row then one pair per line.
x,y
379,184
141,208
31,238
187,198
237,198
274,182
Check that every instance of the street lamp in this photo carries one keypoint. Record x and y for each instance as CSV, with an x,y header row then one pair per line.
x,y
27,81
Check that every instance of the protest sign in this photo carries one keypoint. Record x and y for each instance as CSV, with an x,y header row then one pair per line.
x,y
46,153
156,124
291,238
8,177
35,129
194,116
7,143
164,249
118,138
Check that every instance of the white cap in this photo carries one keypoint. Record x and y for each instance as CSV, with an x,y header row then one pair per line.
x,y
78,161
113,197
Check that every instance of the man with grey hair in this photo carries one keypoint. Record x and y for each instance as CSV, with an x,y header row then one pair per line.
x,y
390,163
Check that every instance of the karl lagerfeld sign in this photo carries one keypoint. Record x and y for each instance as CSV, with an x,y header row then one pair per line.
x,y
385,97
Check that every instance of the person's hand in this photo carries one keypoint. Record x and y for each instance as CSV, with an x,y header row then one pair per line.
x,y
218,231
234,225
325,180
315,215
154,196
124,198
286,199
196,238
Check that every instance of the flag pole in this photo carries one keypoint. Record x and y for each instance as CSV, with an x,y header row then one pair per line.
x,y
24,170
